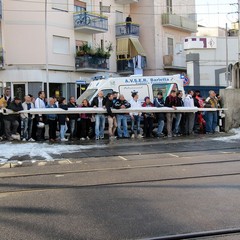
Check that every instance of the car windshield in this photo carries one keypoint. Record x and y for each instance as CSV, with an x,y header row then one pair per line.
x,y
88,94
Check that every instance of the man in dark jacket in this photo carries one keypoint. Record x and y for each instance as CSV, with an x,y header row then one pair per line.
x,y
72,118
171,101
11,121
159,102
99,102
122,103
112,121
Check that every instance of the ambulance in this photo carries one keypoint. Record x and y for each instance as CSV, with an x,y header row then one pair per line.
x,y
146,86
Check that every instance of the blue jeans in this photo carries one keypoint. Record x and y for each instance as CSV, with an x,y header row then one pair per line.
x,y
160,126
178,117
72,128
211,121
99,125
27,127
63,130
122,121
136,121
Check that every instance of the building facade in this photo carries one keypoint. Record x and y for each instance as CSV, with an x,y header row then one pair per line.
x,y
65,42
208,57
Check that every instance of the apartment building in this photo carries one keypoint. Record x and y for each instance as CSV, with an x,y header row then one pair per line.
x,y
67,42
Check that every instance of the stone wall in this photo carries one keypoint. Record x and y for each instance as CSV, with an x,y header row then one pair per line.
x,y
231,101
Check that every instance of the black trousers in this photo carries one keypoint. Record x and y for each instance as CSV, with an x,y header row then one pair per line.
x,y
52,129
148,126
84,127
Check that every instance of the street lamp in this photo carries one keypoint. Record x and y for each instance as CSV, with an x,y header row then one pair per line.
x,y
46,50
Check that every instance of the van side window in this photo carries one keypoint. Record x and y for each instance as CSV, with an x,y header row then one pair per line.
x,y
106,91
164,88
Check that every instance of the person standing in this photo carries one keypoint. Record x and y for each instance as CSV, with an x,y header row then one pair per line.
x,y
148,118
85,122
211,117
135,116
63,119
52,121
27,119
72,118
189,116
11,121
40,103
112,121
171,101
122,103
178,116
159,102
99,102
128,24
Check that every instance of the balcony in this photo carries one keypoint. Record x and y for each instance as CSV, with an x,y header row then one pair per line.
x,y
90,23
125,66
126,1
178,22
175,62
122,30
88,63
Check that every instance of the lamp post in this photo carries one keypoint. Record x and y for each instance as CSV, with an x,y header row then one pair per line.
x,y
46,50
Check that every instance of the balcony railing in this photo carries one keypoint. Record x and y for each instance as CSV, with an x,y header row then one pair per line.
x,y
177,62
90,23
126,1
88,63
125,66
179,22
124,29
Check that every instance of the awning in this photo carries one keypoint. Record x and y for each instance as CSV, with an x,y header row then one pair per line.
x,y
137,48
123,46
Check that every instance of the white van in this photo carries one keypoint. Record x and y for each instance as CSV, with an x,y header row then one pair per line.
x,y
145,86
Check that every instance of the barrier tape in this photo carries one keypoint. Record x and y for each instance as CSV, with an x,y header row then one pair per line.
x,y
6,111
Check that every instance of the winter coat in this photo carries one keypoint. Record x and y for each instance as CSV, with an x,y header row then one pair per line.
x,y
159,103
95,102
119,103
16,108
62,117
109,106
171,101
72,116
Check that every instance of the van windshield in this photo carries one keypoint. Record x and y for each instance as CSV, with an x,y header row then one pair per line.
x,y
88,94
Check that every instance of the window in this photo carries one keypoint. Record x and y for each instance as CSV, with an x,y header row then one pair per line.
x,y
164,88
60,5
170,46
79,6
119,17
169,6
61,45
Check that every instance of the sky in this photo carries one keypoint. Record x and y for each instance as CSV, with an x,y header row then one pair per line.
x,y
214,13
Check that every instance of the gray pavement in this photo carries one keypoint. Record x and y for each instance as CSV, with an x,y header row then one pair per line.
x,y
130,190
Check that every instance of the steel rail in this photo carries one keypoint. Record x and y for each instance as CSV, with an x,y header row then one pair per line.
x,y
195,235
119,168
37,188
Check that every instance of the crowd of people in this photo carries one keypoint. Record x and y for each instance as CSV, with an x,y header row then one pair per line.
x,y
85,126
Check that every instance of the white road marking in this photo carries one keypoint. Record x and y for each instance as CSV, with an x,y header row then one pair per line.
x,y
173,155
123,158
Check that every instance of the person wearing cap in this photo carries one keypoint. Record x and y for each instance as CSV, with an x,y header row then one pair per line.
x,y
159,102
148,118
11,121
135,116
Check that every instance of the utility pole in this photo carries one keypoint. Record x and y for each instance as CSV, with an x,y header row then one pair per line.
x,y
46,49
227,75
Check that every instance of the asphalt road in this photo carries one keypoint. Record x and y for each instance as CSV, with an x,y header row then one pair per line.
x,y
139,191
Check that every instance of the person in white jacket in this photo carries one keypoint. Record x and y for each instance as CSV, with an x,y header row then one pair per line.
x,y
27,119
189,117
135,116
